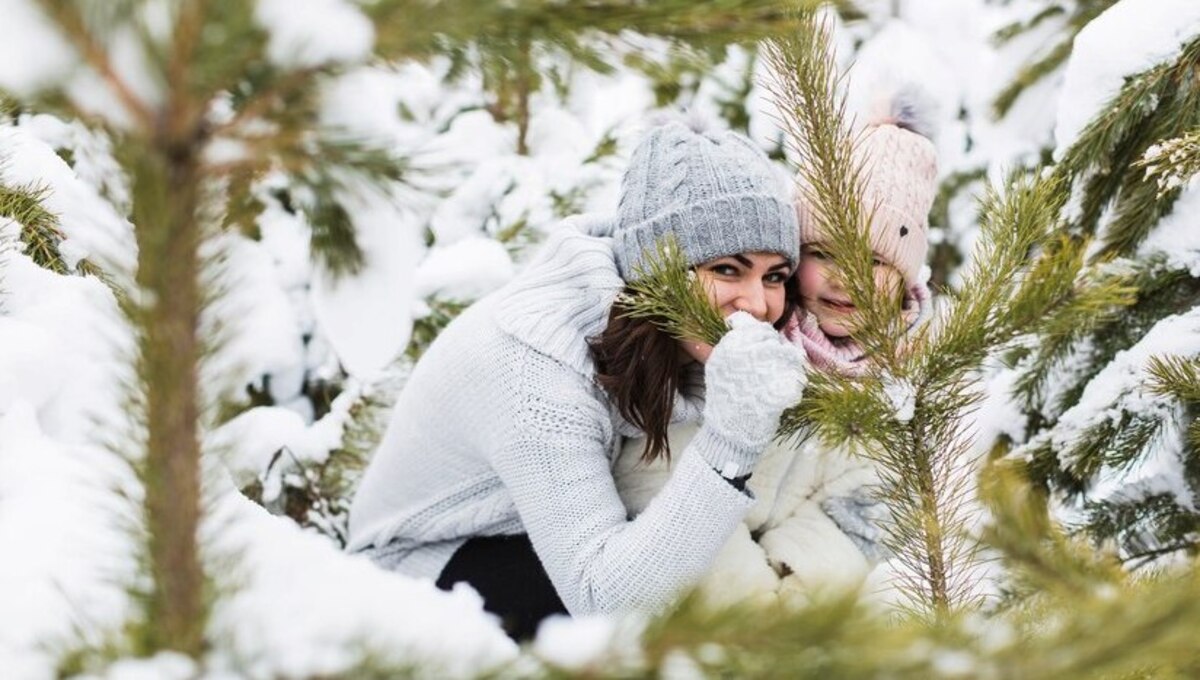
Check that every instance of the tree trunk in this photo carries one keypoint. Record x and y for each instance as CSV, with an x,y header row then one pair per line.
x,y
166,202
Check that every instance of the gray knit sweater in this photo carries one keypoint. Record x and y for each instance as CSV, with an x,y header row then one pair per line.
x,y
501,430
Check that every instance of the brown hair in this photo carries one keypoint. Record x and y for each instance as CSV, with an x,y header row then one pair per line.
x,y
639,366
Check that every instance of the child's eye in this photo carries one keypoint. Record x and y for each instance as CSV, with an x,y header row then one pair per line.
x,y
877,262
818,254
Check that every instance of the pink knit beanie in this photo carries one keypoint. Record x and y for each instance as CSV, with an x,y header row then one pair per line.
x,y
900,163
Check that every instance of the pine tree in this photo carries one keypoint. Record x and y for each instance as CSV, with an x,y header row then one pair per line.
x,y
1107,424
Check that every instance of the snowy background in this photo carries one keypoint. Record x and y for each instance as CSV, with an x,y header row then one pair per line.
x,y
307,355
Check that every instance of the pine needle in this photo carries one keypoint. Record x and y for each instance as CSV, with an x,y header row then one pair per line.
x,y
667,291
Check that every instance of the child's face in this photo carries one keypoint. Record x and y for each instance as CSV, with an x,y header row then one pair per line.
x,y
826,299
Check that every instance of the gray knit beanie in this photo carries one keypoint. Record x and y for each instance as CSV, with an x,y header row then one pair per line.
x,y
715,191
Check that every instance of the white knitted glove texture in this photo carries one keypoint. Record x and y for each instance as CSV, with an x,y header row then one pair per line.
x,y
751,376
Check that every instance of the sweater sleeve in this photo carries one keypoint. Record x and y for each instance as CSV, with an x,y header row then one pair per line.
x,y
555,464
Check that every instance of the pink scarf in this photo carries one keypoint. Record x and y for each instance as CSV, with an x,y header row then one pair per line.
x,y
849,359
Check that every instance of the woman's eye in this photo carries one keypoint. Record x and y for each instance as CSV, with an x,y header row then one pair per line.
x,y
775,278
877,262
724,270
819,254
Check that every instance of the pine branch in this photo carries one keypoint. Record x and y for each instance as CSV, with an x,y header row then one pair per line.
x,y
1160,292
39,227
1050,61
807,90
1009,32
666,291
920,459
415,29
1156,105
1098,297
1031,74
1014,277
1173,162
1176,377
69,17
1139,526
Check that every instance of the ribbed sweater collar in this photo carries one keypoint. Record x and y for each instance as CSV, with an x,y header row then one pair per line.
x,y
565,293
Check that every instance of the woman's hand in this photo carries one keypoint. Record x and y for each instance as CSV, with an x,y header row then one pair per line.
x,y
752,375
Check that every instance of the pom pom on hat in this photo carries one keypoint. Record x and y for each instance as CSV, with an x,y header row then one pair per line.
x,y
909,107
900,164
692,119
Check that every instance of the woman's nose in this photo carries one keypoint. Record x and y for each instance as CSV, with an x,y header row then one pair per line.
x,y
752,299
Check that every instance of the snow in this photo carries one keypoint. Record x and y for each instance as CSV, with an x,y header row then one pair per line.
x,y
302,608
292,605
59,335
1121,386
313,33
86,218
91,154
255,322
1176,237
1160,471
575,644
161,666
367,318
49,601
25,31
250,441
902,396
1148,32
465,270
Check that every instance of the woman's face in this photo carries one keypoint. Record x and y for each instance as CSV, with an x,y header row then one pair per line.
x,y
822,295
747,282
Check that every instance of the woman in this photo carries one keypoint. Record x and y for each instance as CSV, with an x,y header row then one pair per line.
x,y
496,467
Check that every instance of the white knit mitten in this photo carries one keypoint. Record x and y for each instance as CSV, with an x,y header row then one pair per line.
x,y
750,378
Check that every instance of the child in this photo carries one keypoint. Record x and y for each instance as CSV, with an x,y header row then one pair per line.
x,y
814,525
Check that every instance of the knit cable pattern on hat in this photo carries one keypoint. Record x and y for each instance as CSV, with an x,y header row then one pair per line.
x,y
714,192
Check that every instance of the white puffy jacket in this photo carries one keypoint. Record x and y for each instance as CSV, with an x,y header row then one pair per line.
x,y
788,548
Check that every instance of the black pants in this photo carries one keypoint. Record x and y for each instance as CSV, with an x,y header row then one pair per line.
x,y
510,577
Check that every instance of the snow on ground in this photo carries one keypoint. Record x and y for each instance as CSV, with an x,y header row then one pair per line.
x,y
305,608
